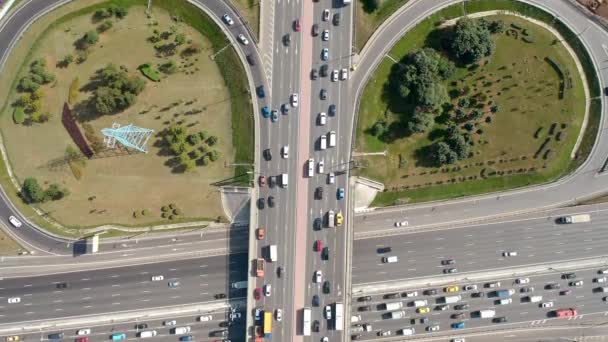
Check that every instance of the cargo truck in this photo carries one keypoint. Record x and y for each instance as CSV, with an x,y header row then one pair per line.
x,y
397,314
451,299
259,267
561,313
338,316
535,299
284,180
393,306
487,313
574,219
504,293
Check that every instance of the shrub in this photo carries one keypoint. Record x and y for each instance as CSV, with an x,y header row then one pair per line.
x,y
89,38
171,217
31,191
203,135
370,6
169,68
379,128
164,208
149,72
464,102
74,91
172,206
177,211
136,214
194,139
164,214
489,119
205,160
214,155
101,14
18,115
118,11
468,126
145,212
106,25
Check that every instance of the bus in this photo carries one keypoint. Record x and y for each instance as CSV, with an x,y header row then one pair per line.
x,y
339,316
267,324
306,314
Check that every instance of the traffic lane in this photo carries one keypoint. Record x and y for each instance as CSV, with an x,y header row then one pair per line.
x,y
477,248
585,299
200,330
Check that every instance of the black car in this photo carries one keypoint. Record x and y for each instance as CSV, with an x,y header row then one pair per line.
x,y
285,108
430,292
316,326
314,74
463,306
271,201
383,250
260,91
499,319
448,262
267,154
325,253
287,39
251,60
315,300
220,296
280,271
391,296
323,70
219,333
261,203
460,315
332,110
323,94
319,193
552,286
315,30
326,287
355,337
63,285
478,294
526,289
569,276
226,324
365,308
56,336
606,91
336,19
449,270
318,223
141,326
364,298
424,320
272,181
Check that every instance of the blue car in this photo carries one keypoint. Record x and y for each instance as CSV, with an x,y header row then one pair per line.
x,y
340,193
260,91
274,116
458,325
118,336
258,314
265,112
186,338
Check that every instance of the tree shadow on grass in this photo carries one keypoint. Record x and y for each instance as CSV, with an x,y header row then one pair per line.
x,y
423,157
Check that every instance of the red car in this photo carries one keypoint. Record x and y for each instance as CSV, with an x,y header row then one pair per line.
x,y
82,339
318,245
257,293
296,25
262,181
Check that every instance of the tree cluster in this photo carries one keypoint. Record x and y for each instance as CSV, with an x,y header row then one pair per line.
x,y
471,40
455,147
37,76
32,192
105,13
422,76
117,90
189,148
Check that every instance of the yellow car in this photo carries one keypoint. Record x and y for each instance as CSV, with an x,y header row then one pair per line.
x,y
12,338
423,310
451,289
339,219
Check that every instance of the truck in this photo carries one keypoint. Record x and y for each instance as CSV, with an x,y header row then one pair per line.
x,y
259,267
393,306
486,313
332,139
574,219
562,313
345,2
338,316
239,285
419,303
451,299
284,180
272,253
504,293
535,299
267,324
397,314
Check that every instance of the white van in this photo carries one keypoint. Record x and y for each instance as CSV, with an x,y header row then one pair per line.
x,y
603,289
149,333
284,180
330,219
332,139
535,299
181,330
505,301
323,143
420,303
408,331
390,259
393,306
273,253
311,167
285,152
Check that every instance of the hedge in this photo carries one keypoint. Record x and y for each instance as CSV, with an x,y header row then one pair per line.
x,y
149,72
19,115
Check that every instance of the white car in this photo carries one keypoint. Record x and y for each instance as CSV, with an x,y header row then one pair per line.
x,y
325,15
384,333
355,318
325,35
411,294
459,339
325,339
334,75
471,287
294,100
509,253
344,74
83,332
325,54
327,312
267,290
172,323
158,278
285,152
14,221
228,20
600,280
522,280
321,167
206,318
278,314
311,167
243,39
318,276
546,305
331,178
402,224
322,119
433,328
14,300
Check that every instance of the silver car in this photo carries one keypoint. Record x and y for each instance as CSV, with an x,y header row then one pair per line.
x,y
325,35
325,54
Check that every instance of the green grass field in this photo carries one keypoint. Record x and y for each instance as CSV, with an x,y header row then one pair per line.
x,y
525,86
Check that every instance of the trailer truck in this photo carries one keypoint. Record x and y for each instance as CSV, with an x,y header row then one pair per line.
x,y
259,267
574,219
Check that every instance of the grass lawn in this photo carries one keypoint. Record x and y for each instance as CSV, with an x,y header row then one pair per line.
x,y
366,23
202,95
7,245
525,86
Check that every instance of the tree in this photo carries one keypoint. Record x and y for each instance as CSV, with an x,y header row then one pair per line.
x,y
379,128
67,60
214,155
101,14
189,165
89,38
27,84
477,114
471,41
180,39
194,139
370,6
53,193
460,115
212,140
459,145
32,191
496,26
464,102
420,122
442,154
104,26
117,91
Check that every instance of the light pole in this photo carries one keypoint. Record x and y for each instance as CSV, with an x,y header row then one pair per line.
x,y
220,51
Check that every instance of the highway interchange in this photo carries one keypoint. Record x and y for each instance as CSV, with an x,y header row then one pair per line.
x,y
439,230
